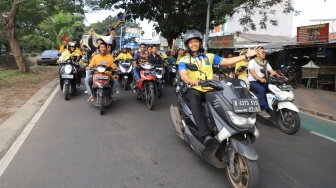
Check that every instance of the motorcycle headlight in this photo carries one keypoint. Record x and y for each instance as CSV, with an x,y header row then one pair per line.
x,y
67,69
101,69
242,122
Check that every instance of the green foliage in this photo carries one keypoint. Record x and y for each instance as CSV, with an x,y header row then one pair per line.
x,y
175,17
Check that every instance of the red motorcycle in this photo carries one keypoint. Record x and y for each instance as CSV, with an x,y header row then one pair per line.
x,y
146,85
101,88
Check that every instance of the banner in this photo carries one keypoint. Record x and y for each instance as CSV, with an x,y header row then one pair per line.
x,y
313,33
132,32
95,36
221,42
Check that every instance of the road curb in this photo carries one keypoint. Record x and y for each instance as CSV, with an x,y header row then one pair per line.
x,y
319,114
13,126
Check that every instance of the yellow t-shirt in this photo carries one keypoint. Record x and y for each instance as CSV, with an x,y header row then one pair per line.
x,y
241,63
204,63
124,56
106,60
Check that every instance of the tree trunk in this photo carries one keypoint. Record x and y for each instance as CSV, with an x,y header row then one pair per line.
x,y
9,30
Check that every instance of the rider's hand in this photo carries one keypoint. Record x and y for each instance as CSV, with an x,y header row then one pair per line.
x,y
193,82
91,32
113,34
262,80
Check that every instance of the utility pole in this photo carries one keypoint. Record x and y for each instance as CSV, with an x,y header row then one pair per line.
x,y
207,27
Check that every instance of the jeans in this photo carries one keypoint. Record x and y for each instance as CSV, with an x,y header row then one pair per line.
x,y
261,89
114,87
88,74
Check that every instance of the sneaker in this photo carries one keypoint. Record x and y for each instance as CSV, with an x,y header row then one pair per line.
x,y
264,114
117,90
207,140
77,86
85,91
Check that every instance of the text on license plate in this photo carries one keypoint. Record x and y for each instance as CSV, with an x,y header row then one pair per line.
x,y
102,77
67,76
245,105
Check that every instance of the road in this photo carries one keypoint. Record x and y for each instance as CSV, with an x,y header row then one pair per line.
x,y
71,145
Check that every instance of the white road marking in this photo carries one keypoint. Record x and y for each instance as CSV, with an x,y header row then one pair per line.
x,y
20,140
324,136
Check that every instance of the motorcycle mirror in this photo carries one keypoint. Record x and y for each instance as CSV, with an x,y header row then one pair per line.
x,y
192,67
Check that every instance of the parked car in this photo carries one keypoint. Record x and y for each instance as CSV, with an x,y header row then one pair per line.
x,y
48,57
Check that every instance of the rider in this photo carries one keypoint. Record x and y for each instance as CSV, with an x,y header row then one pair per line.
x,y
257,79
103,58
195,94
242,74
154,57
100,40
124,54
138,58
74,54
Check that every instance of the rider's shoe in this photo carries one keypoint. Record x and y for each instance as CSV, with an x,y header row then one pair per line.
x,y
77,86
264,114
207,140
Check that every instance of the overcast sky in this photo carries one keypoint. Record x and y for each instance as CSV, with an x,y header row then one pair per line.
x,y
310,9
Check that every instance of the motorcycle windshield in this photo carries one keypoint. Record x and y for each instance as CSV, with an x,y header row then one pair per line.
x,y
235,89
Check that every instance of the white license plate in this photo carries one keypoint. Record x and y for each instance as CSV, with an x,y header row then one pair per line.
x,y
245,105
102,77
67,76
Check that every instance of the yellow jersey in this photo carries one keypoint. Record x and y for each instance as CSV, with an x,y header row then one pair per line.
x,y
106,60
124,56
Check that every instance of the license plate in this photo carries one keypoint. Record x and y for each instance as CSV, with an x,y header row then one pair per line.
x,y
285,87
67,76
102,77
245,105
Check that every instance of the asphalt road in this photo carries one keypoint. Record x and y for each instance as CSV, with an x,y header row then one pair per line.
x,y
71,145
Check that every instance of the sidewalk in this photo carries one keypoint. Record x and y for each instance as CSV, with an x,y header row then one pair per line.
x,y
318,102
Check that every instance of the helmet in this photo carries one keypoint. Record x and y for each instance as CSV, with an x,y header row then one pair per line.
x,y
71,44
193,34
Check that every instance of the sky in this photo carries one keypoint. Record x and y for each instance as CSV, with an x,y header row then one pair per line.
x,y
310,9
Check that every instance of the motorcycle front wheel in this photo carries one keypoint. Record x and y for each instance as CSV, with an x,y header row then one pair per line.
x,y
101,105
246,173
125,82
159,90
66,92
290,123
150,95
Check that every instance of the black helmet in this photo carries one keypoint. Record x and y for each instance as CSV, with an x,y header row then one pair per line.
x,y
193,34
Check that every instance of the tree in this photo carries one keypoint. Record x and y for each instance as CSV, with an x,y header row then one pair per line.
x,y
17,23
175,17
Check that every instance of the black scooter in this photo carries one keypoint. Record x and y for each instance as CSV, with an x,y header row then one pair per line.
x,y
68,76
231,115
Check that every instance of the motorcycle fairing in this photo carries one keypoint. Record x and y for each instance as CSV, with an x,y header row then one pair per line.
x,y
100,83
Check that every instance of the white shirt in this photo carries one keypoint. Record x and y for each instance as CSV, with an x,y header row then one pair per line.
x,y
254,65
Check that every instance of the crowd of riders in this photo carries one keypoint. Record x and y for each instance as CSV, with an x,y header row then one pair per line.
x,y
104,53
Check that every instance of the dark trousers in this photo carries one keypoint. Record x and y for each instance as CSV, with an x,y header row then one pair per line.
x,y
261,89
195,99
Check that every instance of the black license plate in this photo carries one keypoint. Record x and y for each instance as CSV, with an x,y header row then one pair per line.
x,y
285,87
245,105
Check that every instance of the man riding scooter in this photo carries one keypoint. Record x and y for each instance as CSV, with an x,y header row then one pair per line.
x,y
195,94
257,79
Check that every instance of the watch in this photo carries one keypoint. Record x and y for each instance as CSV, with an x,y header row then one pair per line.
x,y
246,58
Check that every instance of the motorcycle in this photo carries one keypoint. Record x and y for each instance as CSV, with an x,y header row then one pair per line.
x,y
170,76
126,73
146,85
230,111
281,109
101,88
289,72
159,80
68,76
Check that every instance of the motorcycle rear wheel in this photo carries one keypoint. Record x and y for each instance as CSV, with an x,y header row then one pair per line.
x,y
150,95
292,121
101,105
246,173
66,92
